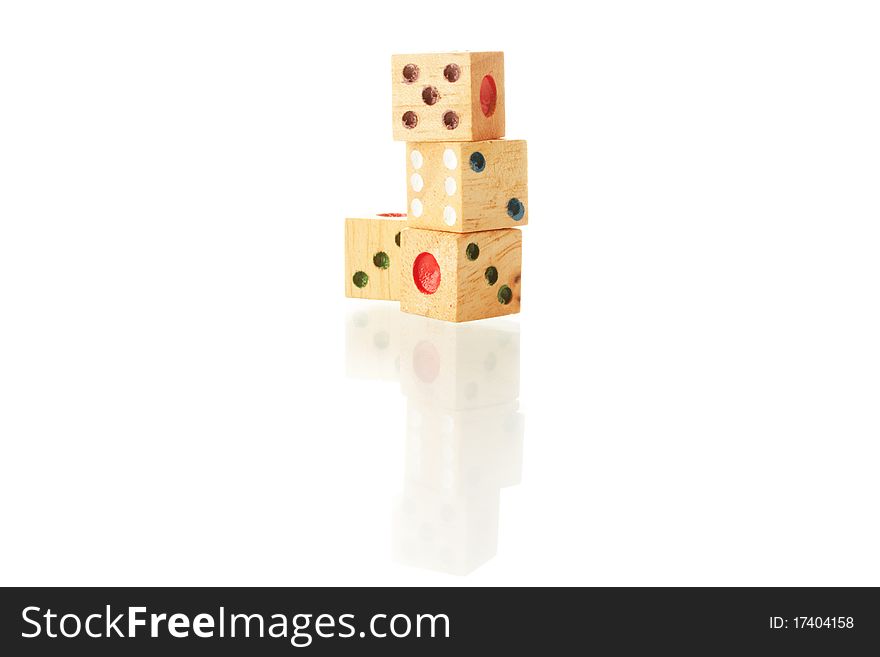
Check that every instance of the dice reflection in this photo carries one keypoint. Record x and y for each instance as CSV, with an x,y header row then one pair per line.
x,y
464,430
372,343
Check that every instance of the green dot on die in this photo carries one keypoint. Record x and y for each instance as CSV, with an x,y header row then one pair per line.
x,y
472,251
381,260
491,275
505,294
360,279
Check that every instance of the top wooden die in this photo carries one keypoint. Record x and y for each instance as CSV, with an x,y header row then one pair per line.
x,y
448,97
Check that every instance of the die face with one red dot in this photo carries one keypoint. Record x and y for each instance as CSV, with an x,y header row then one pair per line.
x,y
448,96
460,277
426,273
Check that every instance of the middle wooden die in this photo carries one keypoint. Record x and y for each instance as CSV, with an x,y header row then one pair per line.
x,y
462,187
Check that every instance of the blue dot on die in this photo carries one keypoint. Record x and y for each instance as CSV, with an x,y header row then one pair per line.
x,y
516,209
478,162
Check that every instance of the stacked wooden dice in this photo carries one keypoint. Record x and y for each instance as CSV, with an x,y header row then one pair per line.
x,y
457,254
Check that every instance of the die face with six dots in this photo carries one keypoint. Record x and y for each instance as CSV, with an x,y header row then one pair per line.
x,y
448,96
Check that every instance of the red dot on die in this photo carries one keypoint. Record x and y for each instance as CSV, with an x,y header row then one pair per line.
x,y
488,95
426,273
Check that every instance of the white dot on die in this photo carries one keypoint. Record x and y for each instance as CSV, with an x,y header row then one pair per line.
x,y
416,182
416,158
450,186
449,215
416,207
449,158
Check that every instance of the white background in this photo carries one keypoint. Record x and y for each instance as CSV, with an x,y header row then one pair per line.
x,y
700,335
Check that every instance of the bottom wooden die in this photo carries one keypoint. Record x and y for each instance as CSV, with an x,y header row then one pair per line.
x,y
459,277
372,256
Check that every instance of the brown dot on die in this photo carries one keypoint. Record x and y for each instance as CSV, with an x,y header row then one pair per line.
x,y
450,120
410,120
410,73
452,72
430,95
397,238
